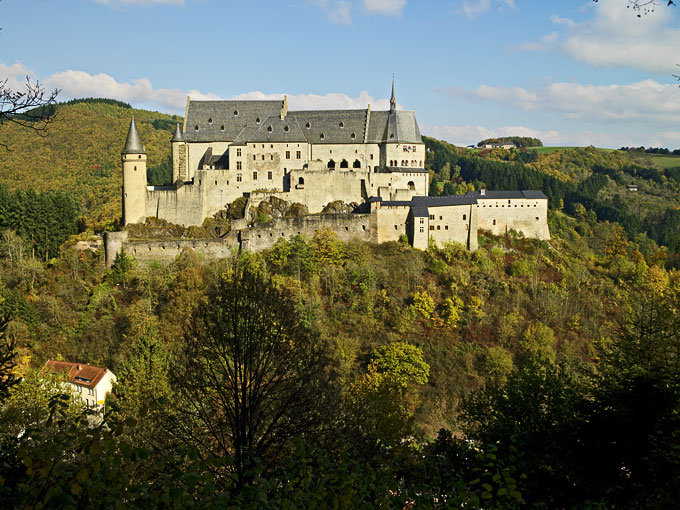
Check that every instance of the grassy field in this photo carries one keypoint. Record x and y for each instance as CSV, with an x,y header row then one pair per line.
x,y
550,150
663,160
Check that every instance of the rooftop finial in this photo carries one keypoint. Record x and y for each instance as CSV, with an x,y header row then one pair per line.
x,y
393,100
133,145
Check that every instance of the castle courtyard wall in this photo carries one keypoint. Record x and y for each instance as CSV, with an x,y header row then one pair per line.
x,y
528,216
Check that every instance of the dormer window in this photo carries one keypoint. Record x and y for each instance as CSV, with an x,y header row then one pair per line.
x,y
353,136
308,125
222,127
235,113
257,121
322,136
391,135
210,120
196,127
285,128
269,129
342,125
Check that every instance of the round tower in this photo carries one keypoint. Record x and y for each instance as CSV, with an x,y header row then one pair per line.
x,y
134,177
179,157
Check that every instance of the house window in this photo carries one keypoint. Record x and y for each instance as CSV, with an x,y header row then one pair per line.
x,y
494,222
238,165
271,146
422,229
90,391
287,154
239,178
238,152
271,157
254,157
262,157
422,220
438,227
431,227
464,216
269,176
254,176
440,218
298,154
431,216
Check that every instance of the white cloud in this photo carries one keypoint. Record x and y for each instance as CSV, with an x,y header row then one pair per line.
x,y
647,100
616,37
544,43
140,92
338,11
474,8
471,135
389,7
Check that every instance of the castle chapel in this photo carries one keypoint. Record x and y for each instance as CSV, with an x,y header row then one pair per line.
x,y
260,149
228,149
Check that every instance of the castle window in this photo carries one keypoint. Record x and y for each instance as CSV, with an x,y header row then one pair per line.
x,y
269,128
395,227
254,157
298,154
536,218
308,125
431,216
210,120
196,127
262,157
269,176
257,121
342,125
411,185
322,136
422,220
421,163
287,154
440,218
356,164
222,127
464,216
286,128
271,146
331,164
135,169
239,177
494,222
371,156
271,157
254,176
446,227
215,183
414,148
422,229
508,201
431,227
301,181
344,164
140,156
235,113
238,152
239,166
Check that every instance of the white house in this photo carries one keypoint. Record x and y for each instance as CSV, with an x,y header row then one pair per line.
x,y
90,383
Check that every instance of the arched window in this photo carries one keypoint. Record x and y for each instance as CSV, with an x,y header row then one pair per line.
x,y
331,164
344,164
411,185
301,181
356,164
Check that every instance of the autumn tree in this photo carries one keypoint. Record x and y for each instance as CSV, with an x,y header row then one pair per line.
x,y
252,376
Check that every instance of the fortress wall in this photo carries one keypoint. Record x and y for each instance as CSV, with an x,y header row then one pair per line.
x,y
528,216
350,152
391,222
346,226
183,205
166,250
398,184
196,150
451,223
324,186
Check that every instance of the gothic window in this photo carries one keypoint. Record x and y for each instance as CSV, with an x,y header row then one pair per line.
x,y
344,164
235,113
342,125
356,164
331,164
262,157
210,120
301,181
254,157
271,157
411,185
257,121
371,156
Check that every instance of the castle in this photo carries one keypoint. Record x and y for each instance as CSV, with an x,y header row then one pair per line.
x,y
259,150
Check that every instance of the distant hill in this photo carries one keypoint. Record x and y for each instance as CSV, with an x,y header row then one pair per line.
x,y
81,153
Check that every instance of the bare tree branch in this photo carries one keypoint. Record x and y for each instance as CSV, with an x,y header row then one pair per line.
x,y
32,108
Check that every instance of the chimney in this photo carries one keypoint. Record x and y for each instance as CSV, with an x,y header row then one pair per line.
x,y
79,367
482,192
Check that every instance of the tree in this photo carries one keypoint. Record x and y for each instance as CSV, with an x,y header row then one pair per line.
x,y
7,361
252,376
32,108
641,7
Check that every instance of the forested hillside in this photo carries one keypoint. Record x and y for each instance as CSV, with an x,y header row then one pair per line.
x,y
81,154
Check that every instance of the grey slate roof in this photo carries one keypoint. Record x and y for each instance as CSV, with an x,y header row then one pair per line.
x,y
133,144
420,211
217,122
336,126
492,194
444,201
275,129
229,118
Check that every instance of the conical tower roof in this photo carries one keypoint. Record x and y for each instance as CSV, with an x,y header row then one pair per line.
x,y
133,144
393,100
178,136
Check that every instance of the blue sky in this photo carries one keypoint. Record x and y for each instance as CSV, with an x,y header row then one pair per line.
x,y
571,72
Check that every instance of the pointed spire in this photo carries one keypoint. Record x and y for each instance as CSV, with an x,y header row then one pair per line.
x,y
393,100
178,136
133,145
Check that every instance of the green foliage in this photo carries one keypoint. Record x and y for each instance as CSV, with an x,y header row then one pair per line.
x,y
161,174
100,100
401,360
519,141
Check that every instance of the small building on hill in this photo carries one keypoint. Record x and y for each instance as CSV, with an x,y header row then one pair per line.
x,y
89,382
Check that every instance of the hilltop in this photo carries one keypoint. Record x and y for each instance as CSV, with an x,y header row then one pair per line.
x,y
81,153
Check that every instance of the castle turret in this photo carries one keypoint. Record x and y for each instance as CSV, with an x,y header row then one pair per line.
x,y
393,100
179,157
134,177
